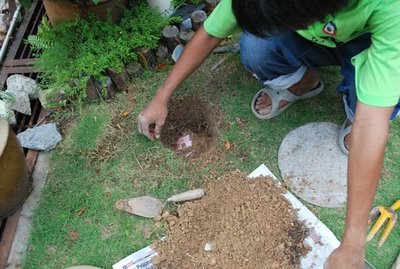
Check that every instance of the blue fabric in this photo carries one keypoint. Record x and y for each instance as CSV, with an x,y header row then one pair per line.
x,y
285,53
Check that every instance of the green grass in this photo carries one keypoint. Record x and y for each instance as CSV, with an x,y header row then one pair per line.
x,y
103,159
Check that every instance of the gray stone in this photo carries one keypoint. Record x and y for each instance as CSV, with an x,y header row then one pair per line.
x,y
3,23
20,83
21,102
162,54
120,79
313,165
134,70
7,114
52,98
44,137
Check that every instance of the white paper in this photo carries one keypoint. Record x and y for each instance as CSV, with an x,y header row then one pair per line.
x,y
139,260
321,240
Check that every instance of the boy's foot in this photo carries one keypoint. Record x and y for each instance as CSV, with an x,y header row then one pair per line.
x,y
344,136
269,103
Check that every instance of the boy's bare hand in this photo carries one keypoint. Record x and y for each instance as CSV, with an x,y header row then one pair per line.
x,y
345,258
152,119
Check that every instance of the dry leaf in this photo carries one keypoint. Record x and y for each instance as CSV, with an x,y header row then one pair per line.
x,y
240,122
81,211
161,66
228,145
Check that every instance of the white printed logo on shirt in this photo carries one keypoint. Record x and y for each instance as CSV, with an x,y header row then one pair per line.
x,y
330,29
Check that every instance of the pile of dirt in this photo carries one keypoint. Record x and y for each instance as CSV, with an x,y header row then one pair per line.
x,y
194,117
243,223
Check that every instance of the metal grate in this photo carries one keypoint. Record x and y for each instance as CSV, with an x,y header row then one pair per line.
x,y
20,55
18,61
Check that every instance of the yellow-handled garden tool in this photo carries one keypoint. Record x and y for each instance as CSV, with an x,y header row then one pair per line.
x,y
385,214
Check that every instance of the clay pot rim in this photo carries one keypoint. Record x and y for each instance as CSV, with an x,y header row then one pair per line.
x,y
73,3
4,130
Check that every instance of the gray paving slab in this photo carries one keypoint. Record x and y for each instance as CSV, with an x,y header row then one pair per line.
x,y
313,165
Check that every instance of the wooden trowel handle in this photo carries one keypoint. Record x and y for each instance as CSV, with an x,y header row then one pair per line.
x,y
187,196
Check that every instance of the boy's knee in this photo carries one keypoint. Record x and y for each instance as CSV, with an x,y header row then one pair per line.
x,y
258,55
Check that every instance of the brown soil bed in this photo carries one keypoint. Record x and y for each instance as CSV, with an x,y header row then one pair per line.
x,y
249,222
194,117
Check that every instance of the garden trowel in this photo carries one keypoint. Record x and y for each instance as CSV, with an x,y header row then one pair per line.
x,y
150,207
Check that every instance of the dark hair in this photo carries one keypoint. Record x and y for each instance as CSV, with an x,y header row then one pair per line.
x,y
261,17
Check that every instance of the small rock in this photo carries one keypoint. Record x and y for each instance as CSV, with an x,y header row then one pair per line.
x,y
3,23
162,54
44,137
210,247
20,83
21,102
120,78
52,98
134,70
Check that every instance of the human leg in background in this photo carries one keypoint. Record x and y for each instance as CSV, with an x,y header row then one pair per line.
x,y
285,64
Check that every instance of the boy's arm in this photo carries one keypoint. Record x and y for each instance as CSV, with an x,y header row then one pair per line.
x,y
368,141
196,51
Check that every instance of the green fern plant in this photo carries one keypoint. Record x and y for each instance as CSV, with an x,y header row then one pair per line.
x,y
72,52
44,38
38,43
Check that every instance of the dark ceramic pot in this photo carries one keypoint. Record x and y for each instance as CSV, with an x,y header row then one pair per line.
x,y
14,179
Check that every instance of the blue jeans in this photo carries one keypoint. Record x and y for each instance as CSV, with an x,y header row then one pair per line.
x,y
280,60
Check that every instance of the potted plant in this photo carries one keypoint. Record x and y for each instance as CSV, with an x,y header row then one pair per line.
x,y
67,10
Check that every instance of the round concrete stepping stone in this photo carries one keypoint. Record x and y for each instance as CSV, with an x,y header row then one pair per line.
x,y
313,165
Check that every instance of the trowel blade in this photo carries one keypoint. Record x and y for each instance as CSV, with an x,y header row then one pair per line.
x,y
145,206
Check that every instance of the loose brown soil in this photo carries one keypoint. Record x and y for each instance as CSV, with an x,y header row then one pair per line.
x,y
190,116
249,222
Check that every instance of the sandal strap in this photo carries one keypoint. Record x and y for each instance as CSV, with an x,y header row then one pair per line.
x,y
282,95
343,132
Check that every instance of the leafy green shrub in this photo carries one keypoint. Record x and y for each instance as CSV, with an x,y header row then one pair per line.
x,y
72,52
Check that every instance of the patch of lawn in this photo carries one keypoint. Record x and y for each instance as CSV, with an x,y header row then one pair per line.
x,y
103,159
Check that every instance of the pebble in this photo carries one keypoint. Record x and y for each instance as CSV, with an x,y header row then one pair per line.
x,y
210,247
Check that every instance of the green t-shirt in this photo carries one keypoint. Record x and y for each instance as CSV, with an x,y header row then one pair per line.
x,y
377,68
